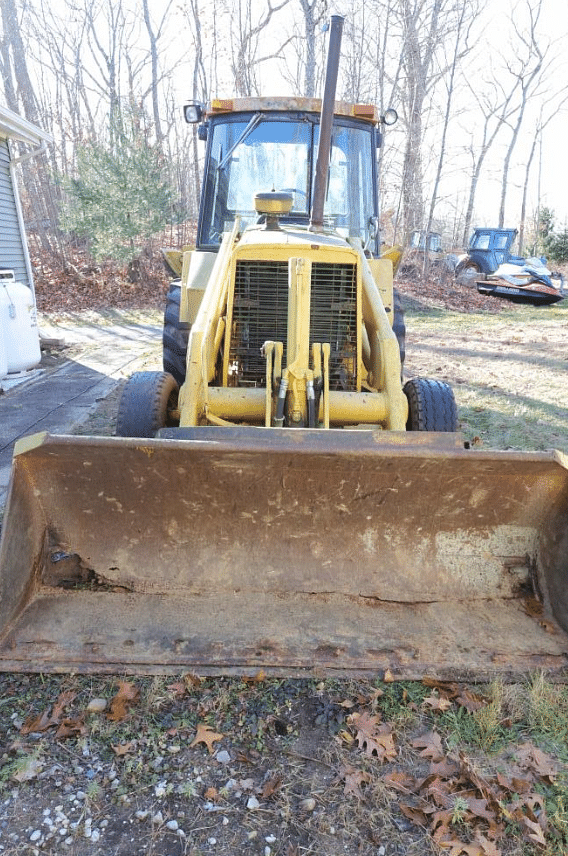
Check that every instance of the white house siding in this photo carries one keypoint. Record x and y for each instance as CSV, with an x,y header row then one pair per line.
x,y
12,252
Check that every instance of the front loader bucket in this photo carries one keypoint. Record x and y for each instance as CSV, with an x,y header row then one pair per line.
x,y
289,551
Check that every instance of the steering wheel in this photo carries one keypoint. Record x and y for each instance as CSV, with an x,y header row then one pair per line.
x,y
295,191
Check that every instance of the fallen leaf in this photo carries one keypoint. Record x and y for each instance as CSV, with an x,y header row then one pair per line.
x,y
37,723
205,734
63,702
71,728
191,680
439,704
403,782
416,814
353,779
388,677
489,848
271,786
27,768
458,848
479,808
431,746
535,831
446,768
471,701
211,794
50,717
125,748
373,737
128,693
532,758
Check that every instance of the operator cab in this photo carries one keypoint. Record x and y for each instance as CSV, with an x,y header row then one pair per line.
x,y
272,146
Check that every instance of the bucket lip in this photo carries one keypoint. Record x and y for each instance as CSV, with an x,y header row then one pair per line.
x,y
350,443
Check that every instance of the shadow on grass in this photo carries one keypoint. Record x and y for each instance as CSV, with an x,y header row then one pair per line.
x,y
541,426
507,353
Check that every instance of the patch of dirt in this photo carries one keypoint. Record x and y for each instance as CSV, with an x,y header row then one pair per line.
x,y
262,767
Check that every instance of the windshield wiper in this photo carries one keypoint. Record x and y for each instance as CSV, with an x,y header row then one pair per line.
x,y
246,132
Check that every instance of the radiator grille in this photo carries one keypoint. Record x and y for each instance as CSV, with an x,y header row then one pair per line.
x,y
260,313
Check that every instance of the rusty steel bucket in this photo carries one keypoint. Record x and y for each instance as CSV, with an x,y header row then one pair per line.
x,y
230,550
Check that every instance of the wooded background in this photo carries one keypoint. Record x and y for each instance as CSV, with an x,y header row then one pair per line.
x,y
475,94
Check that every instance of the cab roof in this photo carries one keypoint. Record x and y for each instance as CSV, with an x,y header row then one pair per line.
x,y
364,112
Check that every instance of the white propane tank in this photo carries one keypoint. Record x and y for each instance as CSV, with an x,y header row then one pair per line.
x,y
18,321
3,360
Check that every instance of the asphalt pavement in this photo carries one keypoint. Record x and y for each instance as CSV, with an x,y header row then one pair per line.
x,y
92,356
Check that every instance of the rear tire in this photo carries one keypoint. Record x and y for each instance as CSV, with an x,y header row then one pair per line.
x,y
175,336
146,403
431,405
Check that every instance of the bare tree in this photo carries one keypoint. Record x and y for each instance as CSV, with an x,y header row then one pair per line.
x,y
313,14
302,61
529,75
19,89
154,36
423,24
466,12
553,104
245,40
494,105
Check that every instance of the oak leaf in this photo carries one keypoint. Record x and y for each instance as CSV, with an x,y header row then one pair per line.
x,y
489,848
531,758
127,694
456,847
535,831
374,738
419,815
48,718
205,734
403,782
439,704
353,779
471,701
71,728
271,786
431,746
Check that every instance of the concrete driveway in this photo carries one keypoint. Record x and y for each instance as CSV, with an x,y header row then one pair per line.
x,y
97,352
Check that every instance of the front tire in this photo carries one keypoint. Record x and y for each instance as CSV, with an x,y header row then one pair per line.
x,y
398,325
431,405
146,404
175,336
467,272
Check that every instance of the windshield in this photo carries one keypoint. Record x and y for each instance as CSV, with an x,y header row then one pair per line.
x,y
258,153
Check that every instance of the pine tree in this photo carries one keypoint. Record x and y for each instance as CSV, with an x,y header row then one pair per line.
x,y
120,195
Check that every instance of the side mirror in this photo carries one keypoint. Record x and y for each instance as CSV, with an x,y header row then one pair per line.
x,y
193,112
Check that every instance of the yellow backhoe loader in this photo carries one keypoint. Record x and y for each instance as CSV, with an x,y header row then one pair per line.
x,y
277,498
